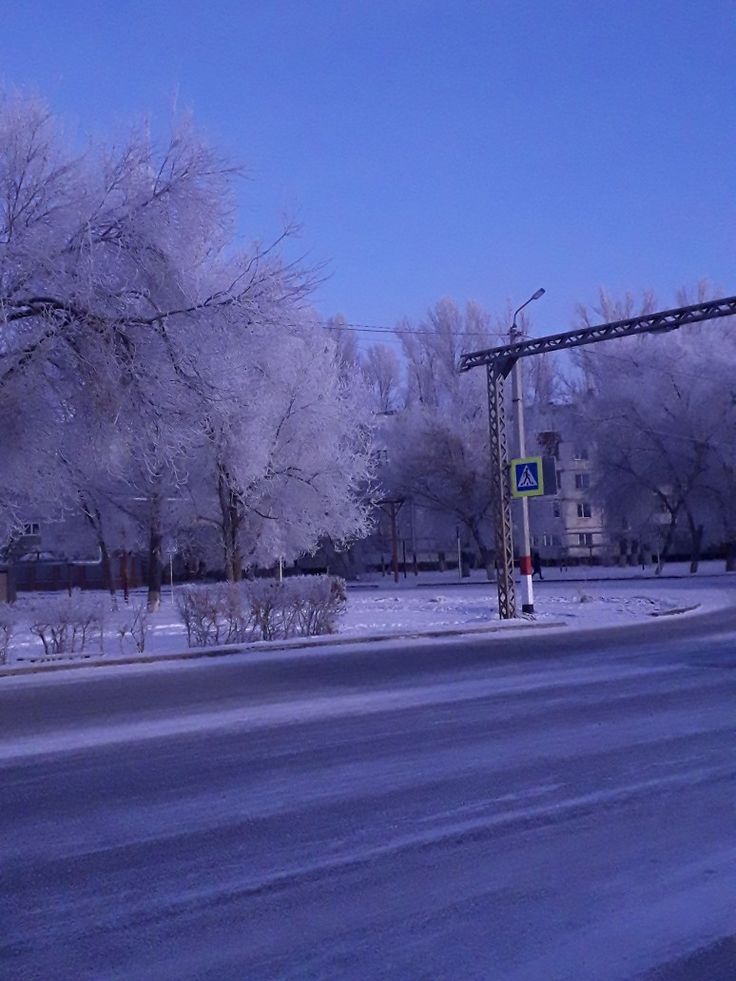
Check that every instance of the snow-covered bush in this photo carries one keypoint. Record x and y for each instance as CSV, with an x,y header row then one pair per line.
x,y
218,613
237,614
192,605
269,602
134,623
232,613
64,624
8,623
318,602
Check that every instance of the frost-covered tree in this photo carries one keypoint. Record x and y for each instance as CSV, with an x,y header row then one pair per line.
x,y
660,412
438,444
164,355
287,452
382,374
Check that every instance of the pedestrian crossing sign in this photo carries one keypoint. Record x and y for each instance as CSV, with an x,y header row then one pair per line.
x,y
527,477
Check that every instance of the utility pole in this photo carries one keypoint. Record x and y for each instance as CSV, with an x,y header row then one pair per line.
x,y
517,399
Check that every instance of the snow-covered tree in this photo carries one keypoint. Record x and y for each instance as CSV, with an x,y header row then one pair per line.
x,y
287,449
168,356
382,373
660,411
438,444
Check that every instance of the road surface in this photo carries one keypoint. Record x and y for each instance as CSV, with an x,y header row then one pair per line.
x,y
543,808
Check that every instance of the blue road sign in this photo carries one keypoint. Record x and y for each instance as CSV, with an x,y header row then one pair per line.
x,y
527,479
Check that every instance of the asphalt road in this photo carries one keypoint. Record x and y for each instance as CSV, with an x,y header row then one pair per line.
x,y
561,807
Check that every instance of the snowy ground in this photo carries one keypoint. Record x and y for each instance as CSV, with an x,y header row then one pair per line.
x,y
378,607
435,607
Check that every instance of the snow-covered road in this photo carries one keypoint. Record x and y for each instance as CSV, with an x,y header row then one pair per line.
x,y
539,808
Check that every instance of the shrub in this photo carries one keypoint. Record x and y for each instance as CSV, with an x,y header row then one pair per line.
x,y
134,624
269,604
237,613
64,624
227,613
318,601
215,614
8,623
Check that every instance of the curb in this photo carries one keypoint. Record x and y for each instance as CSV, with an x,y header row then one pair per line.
x,y
262,647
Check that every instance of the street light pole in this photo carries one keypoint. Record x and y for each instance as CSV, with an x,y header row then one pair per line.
x,y
517,399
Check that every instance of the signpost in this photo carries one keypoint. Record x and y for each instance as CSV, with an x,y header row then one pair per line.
x,y
533,476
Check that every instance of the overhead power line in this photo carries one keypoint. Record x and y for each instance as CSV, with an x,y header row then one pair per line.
x,y
368,328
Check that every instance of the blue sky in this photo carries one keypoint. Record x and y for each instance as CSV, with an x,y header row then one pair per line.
x,y
466,149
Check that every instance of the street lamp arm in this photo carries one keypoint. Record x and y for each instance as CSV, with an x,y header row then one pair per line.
x,y
535,296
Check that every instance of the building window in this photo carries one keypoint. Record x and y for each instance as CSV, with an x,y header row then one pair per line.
x,y
582,481
31,528
580,453
556,540
556,509
583,509
535,539
585,538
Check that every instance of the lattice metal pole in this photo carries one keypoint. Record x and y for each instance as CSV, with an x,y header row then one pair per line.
x,y
501,495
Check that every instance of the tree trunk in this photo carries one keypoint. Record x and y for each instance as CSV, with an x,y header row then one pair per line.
x,y
107,570
667,543
155,566
92,514
230,527
486,554
696,541
124,575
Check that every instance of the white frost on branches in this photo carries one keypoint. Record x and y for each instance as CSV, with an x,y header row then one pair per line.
x,y
148,366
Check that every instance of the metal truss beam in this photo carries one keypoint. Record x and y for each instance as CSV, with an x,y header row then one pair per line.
x,y
501,496
505,356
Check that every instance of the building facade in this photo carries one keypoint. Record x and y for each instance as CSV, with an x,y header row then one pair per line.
x,y
571,525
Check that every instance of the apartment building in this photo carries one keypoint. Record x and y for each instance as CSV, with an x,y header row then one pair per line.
x,y
570,526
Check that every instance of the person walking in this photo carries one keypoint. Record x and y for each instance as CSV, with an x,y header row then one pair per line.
x,y
537,565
